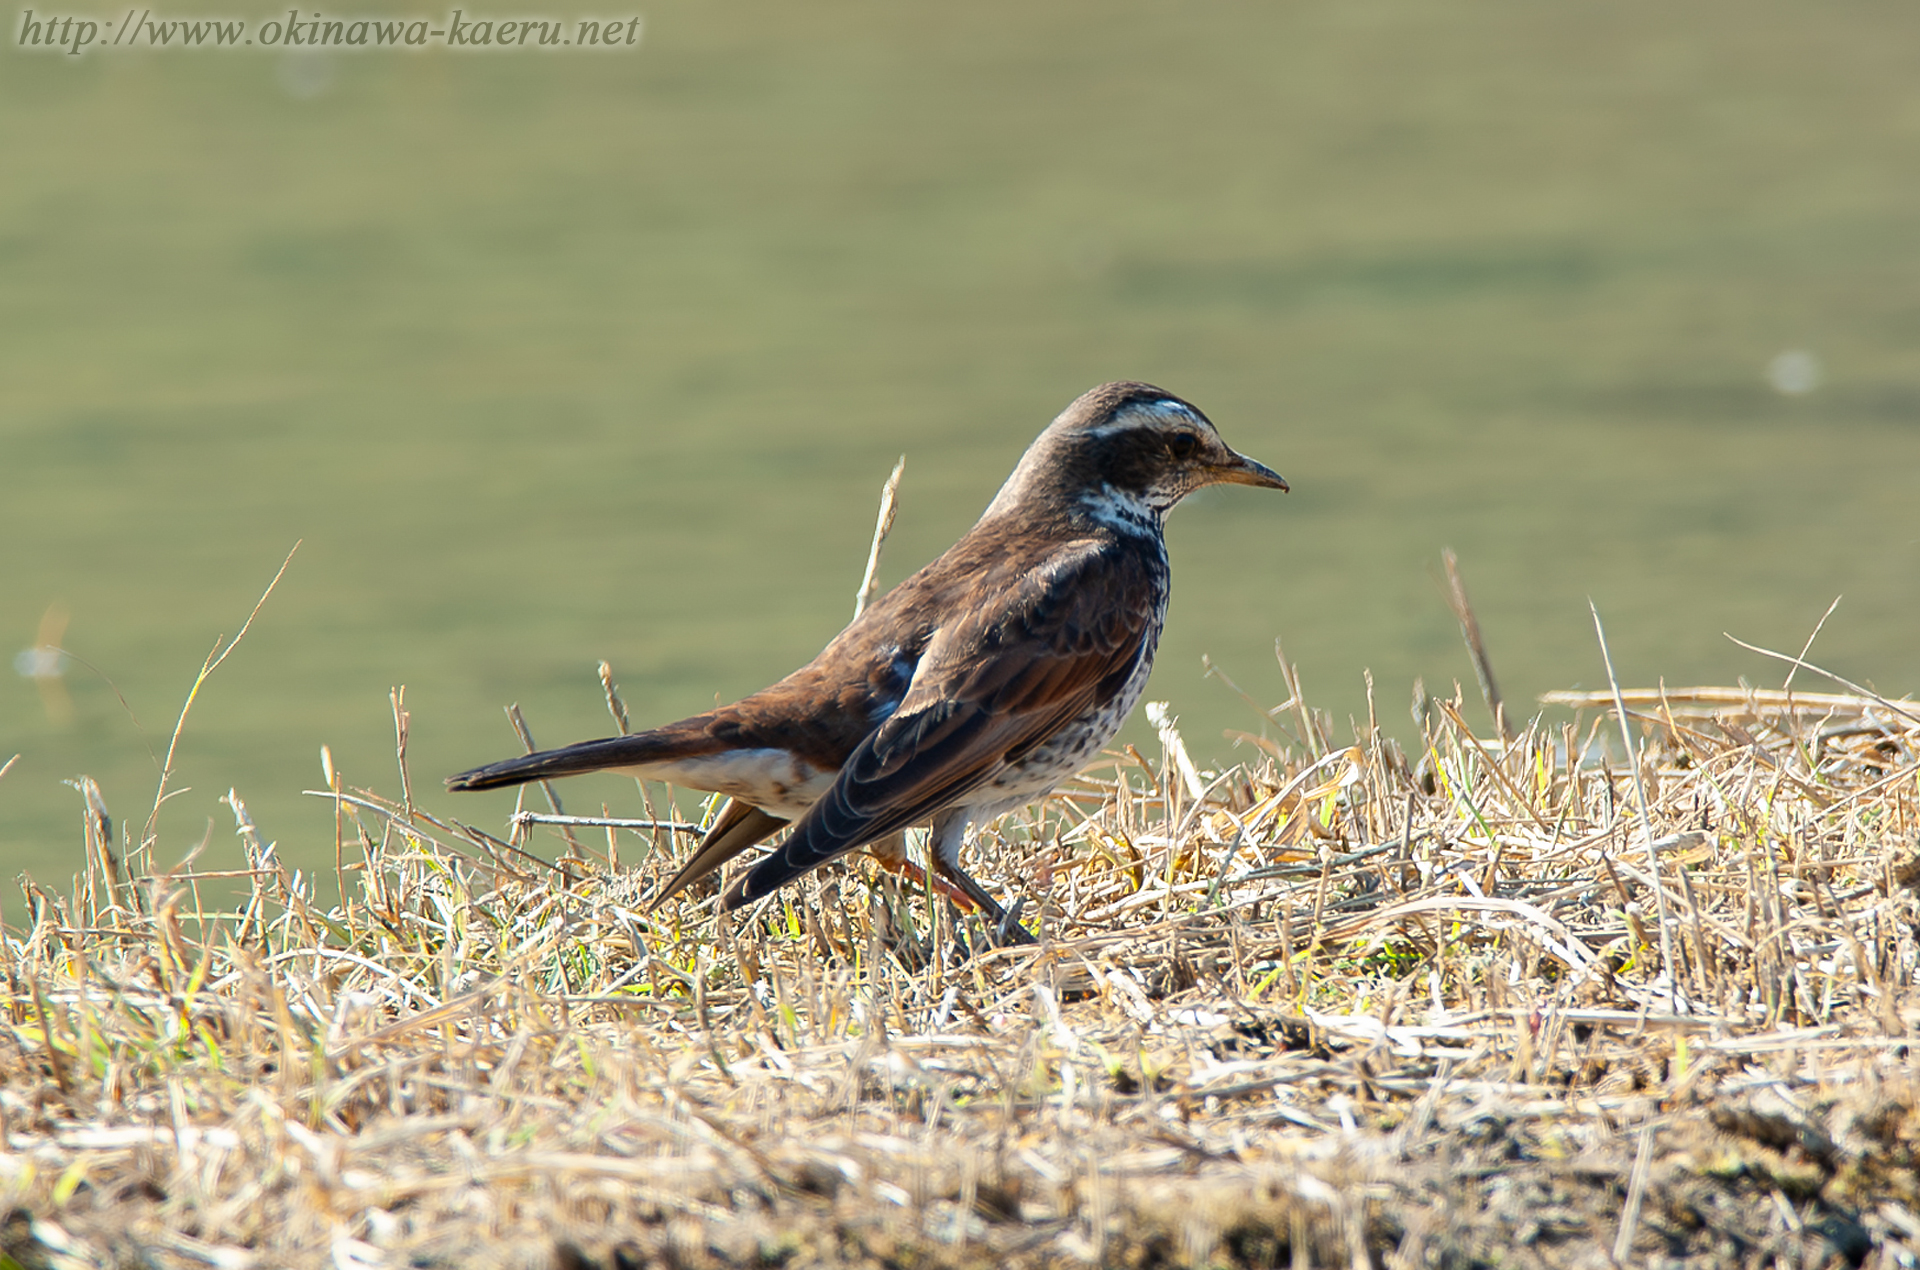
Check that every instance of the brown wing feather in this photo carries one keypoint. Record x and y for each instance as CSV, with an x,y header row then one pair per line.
x,y
988,690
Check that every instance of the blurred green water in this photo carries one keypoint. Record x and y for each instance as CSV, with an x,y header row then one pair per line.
x,y
549,358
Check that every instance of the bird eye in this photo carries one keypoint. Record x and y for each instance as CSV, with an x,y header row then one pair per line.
x,y
1181,445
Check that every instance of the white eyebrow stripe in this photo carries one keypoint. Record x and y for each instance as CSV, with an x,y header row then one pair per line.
x,y
1156,411
1170,409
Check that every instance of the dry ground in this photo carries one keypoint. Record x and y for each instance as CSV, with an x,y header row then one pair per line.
x,y
1328,1008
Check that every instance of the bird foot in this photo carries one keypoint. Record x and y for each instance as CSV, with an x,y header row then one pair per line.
x,y
1003,926
922,879
1008,932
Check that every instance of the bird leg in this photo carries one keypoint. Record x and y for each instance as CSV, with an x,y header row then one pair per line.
x,y
890,853
943,852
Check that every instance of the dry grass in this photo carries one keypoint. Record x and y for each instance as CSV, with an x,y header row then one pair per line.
x,y
1326,1008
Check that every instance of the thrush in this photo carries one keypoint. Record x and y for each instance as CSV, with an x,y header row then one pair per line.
x,y
972,688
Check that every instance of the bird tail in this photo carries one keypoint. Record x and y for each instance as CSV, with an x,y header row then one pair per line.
x,y
661,745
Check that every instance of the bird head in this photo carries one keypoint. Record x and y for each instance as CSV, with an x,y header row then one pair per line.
x,y
1125,453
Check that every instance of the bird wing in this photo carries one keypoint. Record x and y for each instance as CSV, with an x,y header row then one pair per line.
x,y
989,689
738,827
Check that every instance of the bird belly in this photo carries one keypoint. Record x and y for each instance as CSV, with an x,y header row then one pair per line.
x,y
773,780
1065,754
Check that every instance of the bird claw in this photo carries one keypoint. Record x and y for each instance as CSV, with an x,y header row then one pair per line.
x,y
1008,932
1000,929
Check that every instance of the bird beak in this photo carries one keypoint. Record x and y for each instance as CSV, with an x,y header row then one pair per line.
x,y
1241,470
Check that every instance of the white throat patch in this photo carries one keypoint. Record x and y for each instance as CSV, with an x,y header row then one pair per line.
x,y
1122,512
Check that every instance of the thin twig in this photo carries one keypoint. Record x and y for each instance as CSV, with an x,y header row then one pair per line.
x,y
1636,1196
393,815
1845,683
525,734
1694,700
883,525
615,705
332,778
398,698
1807,647
1476,646
604,822
211,664
1640,797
